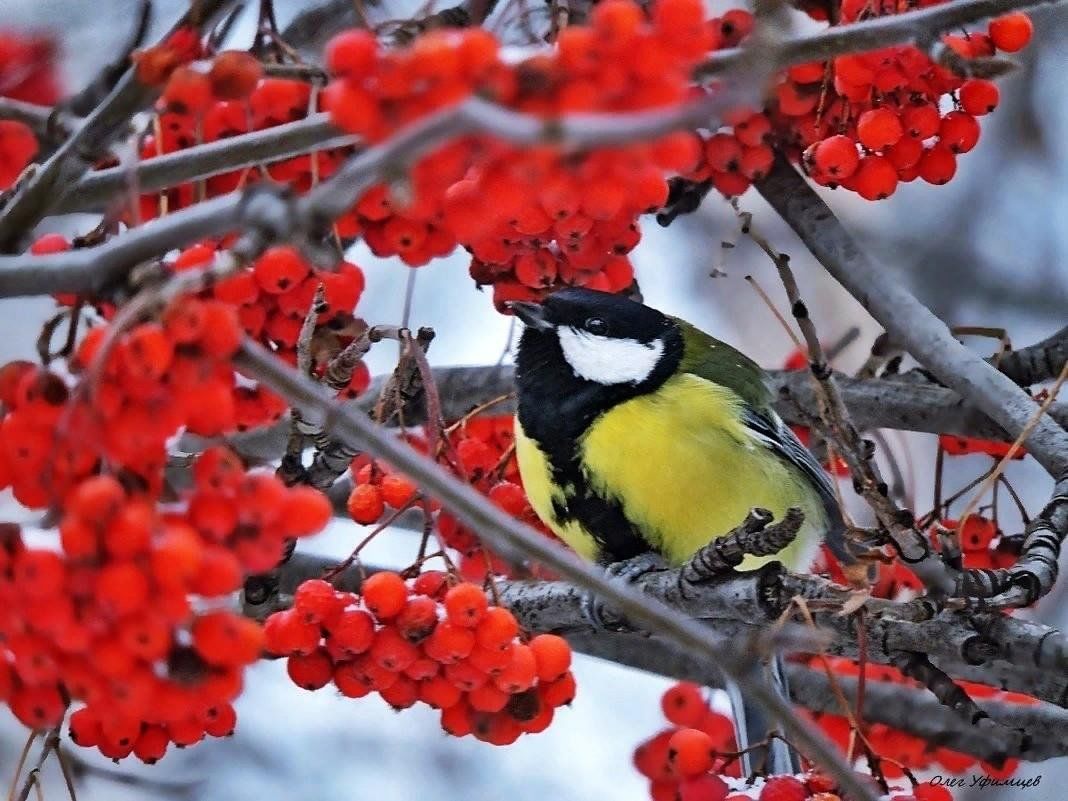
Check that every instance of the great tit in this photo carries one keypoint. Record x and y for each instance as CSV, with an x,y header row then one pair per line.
x,y
637,432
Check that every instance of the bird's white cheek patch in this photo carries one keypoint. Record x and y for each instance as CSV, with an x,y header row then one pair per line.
x,y
606,360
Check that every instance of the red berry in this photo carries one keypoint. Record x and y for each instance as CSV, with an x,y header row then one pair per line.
x,y
234,75
552,656
1011,32
875,178
310,671
837,157
352,54
384,594
690,752
879,128
922,121
783,788
959,131
465,604
365,504
938,165
280,268
684,704
978,97
352,631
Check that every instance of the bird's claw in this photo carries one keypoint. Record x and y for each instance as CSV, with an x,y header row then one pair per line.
x,y
628,571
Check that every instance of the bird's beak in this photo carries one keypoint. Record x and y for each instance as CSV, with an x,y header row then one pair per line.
x,y
532,314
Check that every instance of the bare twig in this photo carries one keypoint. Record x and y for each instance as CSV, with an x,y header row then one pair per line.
x,y
74,158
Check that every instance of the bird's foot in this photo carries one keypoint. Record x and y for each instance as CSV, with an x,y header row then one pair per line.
x,y
628,571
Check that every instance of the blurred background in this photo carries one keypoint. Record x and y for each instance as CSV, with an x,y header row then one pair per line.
x,y
990,248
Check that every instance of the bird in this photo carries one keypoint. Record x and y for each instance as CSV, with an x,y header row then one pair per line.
x,y
637,434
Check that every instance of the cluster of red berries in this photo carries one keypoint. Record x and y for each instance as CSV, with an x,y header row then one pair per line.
x,y
274,294
270,299
685,761
479,450
868,121
28,73
138,384
694,760
209,100
425,641
902,750
120,619
533,219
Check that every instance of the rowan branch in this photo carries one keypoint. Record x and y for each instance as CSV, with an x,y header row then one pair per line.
x,y
47,123
908,709
516,541
921,333
313,133
907,320
310,216
75,156
919,27
1036,363
734,606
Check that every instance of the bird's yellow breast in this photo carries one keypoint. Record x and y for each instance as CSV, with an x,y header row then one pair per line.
x,y
684,468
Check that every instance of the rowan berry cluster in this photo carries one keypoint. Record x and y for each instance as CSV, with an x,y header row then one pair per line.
x,y
208,100
899,750
28,73
684,762
270,300
51,437
479,450
695,760
120,618
533,219
426,641
274,294
868,121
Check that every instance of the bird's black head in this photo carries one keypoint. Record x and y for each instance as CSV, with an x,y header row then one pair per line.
x,y
584,351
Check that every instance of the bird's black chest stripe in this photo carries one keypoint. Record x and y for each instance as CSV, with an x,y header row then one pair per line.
x,y
603,517
558,436
556,408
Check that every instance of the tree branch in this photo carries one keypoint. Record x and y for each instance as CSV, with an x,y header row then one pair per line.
x,y
75,156
311,215
735,606
1037,363
315,132
921,333
907,320
912,27
516,541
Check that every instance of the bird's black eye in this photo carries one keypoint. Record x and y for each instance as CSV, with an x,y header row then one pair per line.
x,y
595,325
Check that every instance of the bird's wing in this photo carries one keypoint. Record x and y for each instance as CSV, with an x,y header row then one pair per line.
x,y
768,428
716,361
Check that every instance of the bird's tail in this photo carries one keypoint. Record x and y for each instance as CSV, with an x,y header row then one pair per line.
x,y
753,726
